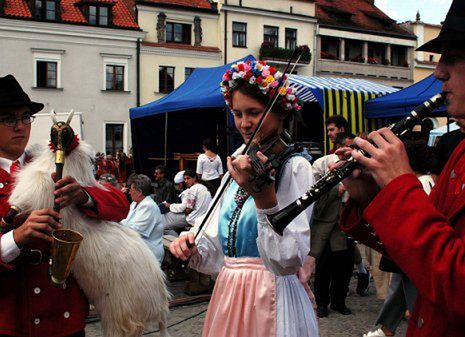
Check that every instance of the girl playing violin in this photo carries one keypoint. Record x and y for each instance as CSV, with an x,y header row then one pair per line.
x,y
257,292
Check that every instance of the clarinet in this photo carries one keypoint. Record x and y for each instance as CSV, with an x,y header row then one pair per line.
x,y
282,218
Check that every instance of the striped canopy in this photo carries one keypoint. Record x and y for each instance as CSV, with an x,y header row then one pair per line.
x,y
341,96
310,88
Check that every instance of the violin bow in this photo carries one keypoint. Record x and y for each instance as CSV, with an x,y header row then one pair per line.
x,y
296,54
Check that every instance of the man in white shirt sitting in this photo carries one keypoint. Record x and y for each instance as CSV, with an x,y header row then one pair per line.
x,y
145,217
194,203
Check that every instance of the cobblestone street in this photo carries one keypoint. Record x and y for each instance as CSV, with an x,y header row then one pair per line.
x,y
187,321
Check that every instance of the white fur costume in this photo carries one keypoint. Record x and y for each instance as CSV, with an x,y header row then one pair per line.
x,y
114,267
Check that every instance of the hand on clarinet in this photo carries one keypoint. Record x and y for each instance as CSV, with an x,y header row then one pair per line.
x,y
68,191
387,160
39,225
184,246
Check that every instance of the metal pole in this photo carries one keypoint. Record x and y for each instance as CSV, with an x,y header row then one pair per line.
x,y
166,138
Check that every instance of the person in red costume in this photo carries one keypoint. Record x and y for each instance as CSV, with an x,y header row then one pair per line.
x,y
424,236
29,304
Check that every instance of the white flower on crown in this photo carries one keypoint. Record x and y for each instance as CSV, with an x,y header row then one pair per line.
x,y
236,75
290,97
252,80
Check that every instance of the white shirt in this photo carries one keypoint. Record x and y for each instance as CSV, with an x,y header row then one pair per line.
x,y
146,219
427,182
209,168
8,248
197,197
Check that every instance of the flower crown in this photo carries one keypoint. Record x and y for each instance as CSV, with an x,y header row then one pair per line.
x,y
265,77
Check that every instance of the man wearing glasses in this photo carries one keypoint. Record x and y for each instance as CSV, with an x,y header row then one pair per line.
x,y
424,236
29,305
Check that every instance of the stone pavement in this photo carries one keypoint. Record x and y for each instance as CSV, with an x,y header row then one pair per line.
x,y
186,321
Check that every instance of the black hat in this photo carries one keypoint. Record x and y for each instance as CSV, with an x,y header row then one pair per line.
x,y
12,95
453,29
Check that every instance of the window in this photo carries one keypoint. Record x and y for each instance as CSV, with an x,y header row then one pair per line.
x,y
377,53
239,34
188,73
46,74
166,79
271,35
115,77
399,56
99,15
178,33
46,9
431,58
47,68
329,48
115,72
114,137
291,38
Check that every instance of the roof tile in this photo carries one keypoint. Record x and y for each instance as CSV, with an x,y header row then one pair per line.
x,y
17,8
359,14
71,11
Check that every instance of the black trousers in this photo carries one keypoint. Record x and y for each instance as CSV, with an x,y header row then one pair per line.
x,y
77,334
332,275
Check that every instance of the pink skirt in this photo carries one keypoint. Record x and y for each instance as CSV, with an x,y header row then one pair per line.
x,y
243,302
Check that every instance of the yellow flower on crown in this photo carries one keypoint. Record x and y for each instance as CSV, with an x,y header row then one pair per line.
x,y
283,90
270,78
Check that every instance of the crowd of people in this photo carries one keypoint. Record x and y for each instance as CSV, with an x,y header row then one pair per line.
x,y
397,219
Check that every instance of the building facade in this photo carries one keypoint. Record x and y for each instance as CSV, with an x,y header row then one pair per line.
x,y
356,39
183,35
78,55
425,62
269,30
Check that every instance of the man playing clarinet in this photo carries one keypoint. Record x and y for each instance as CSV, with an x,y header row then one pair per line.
x,y
29,304
390,211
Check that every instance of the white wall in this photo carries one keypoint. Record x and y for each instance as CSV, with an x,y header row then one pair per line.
x,y
82,51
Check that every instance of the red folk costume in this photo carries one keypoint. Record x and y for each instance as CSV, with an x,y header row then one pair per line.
x,y
402,216
29,304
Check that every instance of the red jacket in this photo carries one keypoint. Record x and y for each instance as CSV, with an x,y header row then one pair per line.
x,y
29,304
426,238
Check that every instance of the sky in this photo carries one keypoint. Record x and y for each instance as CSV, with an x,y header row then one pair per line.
x,y
431,11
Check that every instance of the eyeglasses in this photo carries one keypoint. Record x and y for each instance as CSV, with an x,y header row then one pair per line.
x,y
12,121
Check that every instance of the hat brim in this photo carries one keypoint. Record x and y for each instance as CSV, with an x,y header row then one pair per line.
x,y
36,107
433,46
33,106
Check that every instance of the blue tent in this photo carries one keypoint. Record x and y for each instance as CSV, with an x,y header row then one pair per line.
x,y
402,102
200,90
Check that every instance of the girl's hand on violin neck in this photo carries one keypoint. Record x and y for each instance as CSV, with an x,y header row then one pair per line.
x,y
241,170
184,246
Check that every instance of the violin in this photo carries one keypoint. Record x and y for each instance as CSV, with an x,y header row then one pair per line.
x,y
277,148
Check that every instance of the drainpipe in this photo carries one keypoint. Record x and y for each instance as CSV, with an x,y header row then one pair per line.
x,y
138,73
225,33
315,48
